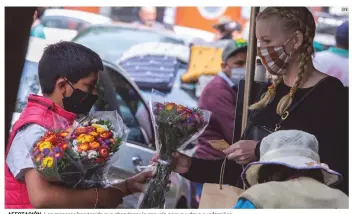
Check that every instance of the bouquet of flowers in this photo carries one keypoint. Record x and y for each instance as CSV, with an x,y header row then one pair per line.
x,y
175,127
74,156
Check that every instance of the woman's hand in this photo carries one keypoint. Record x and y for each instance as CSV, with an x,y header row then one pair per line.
x,y
180,162
242,151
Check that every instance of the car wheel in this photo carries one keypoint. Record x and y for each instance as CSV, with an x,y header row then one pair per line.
x,y
182,203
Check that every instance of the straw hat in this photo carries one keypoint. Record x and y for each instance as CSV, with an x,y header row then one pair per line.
x,y
291,148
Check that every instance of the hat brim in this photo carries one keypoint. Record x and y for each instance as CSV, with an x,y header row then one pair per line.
x,y
250,173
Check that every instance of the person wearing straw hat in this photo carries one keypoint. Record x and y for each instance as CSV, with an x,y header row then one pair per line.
x,y
289,175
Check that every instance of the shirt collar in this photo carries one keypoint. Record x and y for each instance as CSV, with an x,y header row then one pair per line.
x,y
339,51
227,79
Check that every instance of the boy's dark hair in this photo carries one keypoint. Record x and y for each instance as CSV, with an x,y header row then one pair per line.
x,y
68,60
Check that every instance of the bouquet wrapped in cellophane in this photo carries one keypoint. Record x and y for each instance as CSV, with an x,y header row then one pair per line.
x,y
79,155
175,127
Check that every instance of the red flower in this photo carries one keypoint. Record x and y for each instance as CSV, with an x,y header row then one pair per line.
x,y
51,138
104,152
100,160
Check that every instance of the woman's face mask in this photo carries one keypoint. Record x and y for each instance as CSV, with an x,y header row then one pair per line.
x,y
274,58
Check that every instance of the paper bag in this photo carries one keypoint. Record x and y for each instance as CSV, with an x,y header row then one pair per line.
x,y
215,198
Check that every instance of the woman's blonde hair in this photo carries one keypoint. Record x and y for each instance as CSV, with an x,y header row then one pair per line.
x,y
293,19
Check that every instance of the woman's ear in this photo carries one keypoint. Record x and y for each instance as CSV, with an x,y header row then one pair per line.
x,y
298,40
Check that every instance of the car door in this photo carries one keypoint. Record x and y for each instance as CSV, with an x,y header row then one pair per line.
x,y
117,92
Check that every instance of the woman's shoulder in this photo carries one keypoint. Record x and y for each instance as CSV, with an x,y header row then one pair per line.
x,y
324,80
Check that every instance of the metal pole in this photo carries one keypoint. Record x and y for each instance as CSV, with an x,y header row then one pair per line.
x,y
250,66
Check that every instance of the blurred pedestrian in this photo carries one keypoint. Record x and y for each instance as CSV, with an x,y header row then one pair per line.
x,y
227,29
334,61
289,175
147,17
219,97
37,29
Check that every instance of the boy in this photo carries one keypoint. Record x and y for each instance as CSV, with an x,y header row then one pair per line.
x,y
68,73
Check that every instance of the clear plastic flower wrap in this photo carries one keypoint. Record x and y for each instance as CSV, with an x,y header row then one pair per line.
x,y
79,154
175,127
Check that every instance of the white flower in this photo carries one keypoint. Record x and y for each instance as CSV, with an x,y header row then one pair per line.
x,y
83,154
92,154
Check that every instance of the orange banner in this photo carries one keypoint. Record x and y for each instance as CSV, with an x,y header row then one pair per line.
x,y
204,17
86,9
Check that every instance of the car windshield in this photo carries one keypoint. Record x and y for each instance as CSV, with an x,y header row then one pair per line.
x,y
63,22
111,42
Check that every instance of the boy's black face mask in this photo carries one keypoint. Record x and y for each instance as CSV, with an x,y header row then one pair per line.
x,y
79,102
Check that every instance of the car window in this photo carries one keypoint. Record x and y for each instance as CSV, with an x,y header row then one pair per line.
x,y
63,22
29,84
112,42
116,93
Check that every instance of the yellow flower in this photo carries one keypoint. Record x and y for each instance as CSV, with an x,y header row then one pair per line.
x,y
93,134
81,138
48,162
45,145
100,130
89,138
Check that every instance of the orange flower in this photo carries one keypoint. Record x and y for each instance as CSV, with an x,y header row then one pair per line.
x,y
105,135
80,130
63,134
83,147
170,106
94,145
64,146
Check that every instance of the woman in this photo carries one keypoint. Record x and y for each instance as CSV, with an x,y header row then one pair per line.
x,y
320,107
289,175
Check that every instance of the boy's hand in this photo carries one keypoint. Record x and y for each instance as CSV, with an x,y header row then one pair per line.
x,y
136,183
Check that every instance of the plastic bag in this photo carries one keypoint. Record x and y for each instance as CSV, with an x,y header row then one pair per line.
x,y
175,127
79,154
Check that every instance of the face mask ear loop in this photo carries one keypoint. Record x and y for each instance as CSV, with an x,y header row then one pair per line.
x,y
68,82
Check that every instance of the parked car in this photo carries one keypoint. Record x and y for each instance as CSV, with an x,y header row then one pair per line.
x,y
117,92
63,24
193,35
111,41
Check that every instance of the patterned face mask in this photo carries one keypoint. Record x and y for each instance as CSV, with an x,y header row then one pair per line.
x,y
274,58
